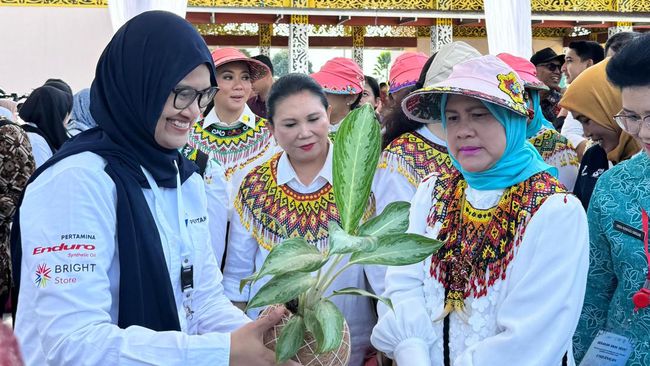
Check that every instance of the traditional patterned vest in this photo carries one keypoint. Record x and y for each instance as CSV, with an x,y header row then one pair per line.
x,y
275,212
479,244
554,148
233,147
415,157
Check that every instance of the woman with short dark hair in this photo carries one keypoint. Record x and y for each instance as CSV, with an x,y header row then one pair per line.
x,y
371,92
292,195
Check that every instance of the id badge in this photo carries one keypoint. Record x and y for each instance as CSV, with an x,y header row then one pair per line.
x,y
608,349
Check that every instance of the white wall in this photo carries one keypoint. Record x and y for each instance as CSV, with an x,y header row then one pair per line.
x,y
481,44
38,43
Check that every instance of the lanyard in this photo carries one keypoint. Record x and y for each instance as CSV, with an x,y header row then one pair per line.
x,y
187,267
644,216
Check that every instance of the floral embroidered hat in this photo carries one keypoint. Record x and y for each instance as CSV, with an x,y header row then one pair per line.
x,y
486,78
421,106
406,70
340,75
525,69
222,56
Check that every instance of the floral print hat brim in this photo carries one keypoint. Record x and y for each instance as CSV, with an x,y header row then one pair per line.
x,y
486,78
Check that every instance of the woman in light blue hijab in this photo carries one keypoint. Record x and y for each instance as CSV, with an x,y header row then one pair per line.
x,y
511,272
81,119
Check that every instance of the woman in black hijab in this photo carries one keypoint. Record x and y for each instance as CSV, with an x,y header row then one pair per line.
x,y
119,269
46,112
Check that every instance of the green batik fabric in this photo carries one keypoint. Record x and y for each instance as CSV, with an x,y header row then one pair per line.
x,y
617,261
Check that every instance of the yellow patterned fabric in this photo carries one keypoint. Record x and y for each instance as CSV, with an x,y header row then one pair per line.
x,y
479,244
233,147
554,148
275,212
415,157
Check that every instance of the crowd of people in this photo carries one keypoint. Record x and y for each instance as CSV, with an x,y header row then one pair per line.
x,y
133,210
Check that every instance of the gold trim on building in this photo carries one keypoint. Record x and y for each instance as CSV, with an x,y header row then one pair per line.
x,y
266,34
444,5
57,3
240,3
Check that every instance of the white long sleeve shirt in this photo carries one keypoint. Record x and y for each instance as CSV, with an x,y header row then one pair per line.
x,y
389,185
528,318
40,149
573,131
68,303
216,190
245,256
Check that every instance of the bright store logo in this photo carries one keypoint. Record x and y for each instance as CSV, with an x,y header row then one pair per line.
x,y
42,275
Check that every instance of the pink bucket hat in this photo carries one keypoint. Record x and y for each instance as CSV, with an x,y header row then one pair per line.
x,y
340,75
525,69
486,78
406,70
222,56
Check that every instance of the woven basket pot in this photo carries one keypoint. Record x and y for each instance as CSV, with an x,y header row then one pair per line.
x,y
306,354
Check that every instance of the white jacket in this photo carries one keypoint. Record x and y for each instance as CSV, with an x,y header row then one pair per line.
x,y
68,304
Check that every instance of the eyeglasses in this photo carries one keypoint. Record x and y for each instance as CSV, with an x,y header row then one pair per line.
x,y
631,123
184,97
552,67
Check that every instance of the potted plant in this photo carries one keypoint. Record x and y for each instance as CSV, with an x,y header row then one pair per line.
x,y
316,328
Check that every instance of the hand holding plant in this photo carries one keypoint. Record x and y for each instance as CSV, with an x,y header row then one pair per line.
x,y
379,241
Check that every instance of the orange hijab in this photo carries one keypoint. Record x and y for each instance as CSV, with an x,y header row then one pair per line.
x,y
593,96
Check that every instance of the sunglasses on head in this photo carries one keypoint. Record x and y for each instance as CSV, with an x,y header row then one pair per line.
x,y
552,67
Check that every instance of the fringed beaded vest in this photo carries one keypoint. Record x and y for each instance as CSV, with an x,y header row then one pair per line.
x,y
275,212
415,157
233,147
554,148
479,244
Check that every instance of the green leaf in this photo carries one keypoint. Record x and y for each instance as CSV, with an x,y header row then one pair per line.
x,y
393,220
292,255
246,280
356,153
360,292
312,324
325,323
281,289
341,242
291,339
398,250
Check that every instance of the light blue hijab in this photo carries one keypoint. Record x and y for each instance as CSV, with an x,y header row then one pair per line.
x,y
81,116
519,161
539,120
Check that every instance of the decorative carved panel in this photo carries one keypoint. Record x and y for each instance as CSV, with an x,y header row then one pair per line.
x,y
68,3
